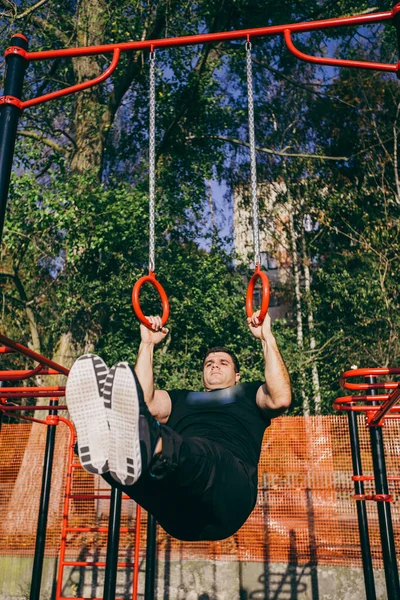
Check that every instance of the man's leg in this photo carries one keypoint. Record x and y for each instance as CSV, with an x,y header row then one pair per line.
x,y
195,489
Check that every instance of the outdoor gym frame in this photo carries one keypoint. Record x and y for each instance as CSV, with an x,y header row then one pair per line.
x,y
11,105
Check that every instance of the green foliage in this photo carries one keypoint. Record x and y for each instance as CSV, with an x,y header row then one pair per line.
x,y
76,237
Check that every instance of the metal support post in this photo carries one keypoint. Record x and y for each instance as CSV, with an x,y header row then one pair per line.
x,y
43,508
114,524
369,581
384,513
9,114
150,558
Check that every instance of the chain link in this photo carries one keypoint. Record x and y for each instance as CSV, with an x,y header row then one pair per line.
x,y
152,160
253,159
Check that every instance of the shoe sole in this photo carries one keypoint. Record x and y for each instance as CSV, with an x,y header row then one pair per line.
x,y
122,408
85,404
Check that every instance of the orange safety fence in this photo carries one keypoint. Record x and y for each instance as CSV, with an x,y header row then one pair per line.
x,y
305,509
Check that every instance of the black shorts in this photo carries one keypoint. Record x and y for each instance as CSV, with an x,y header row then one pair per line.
x,y
197,489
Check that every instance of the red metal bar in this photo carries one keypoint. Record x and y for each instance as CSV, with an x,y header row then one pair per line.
x,y
363,398
15,375
336,62
96,529
34,355
90,496
32,392
216,37
385,408
78,87
71,563
372,478
385,385
7,408
366,409
374,497
367,373
11,100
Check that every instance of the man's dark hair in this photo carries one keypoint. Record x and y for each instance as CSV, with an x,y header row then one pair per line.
x,y
227,351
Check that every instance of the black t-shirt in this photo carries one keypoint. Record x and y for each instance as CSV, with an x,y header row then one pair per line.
x,y
228,416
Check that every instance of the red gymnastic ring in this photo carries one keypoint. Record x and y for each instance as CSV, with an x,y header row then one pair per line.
x,y
258,274
151,278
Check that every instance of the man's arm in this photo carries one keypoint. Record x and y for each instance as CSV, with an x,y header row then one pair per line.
x,y
158,401
275,395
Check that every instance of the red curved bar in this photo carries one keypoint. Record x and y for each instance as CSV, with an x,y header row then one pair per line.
x,y
366,409
215,37
32,392
14,408
16,50
20,35
78,87
374,497
337,62
15,375
373,372
258,274
387,385
150,278
361,398
11,100
16,347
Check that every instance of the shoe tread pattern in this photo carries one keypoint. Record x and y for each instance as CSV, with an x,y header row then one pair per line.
x,y
86,409
121,401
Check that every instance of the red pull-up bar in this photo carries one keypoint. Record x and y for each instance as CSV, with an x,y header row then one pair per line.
x,y
221,36
286,30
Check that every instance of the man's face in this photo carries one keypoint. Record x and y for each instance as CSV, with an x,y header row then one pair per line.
x,y
219,371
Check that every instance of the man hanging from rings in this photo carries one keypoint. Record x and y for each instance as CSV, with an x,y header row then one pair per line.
x,y
188,457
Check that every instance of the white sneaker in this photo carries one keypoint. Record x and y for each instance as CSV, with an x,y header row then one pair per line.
x,y
84,399
133,431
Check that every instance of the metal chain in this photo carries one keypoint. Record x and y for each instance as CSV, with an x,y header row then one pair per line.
x,y
253,159
152,160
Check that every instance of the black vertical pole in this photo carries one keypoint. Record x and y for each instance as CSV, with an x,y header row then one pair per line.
x,y
396,23
9,114
114,525
149,585
369,581
43,508
384,513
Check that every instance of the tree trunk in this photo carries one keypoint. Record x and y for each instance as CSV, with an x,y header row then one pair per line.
x,y
91,115
297,291
310,320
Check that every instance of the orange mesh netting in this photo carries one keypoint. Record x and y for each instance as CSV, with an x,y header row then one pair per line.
x,y
305,511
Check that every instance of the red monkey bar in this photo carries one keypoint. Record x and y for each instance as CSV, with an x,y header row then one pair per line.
x,y
286,30
45,367
377,406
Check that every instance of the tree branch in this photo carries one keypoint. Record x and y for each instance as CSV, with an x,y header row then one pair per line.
x,y
38,21
30,10
48,142
238,142
283,153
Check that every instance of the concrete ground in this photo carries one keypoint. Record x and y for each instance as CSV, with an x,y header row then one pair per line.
x,y
199,580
